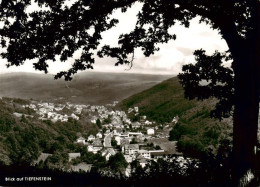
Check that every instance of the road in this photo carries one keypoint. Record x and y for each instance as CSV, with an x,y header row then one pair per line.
x,y
107,140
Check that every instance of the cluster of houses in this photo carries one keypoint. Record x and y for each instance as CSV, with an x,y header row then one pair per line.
x,y
62,112
54,111
124,144
130,141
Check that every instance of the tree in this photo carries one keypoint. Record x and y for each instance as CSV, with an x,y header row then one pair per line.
x,y
117,162
113,142
62,30
98,123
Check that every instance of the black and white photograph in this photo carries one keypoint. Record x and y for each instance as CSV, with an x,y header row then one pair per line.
x,y
129,93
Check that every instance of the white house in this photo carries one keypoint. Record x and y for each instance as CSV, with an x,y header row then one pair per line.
x,y
107,132
144,153
143,162
90,148
81,140
128,158
118,140
148,122
108,152
117,132
74,116
175,119
136,125
150,131
91,138
99,135
127,121
94,119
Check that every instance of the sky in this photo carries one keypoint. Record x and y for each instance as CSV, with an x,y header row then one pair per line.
x,y
168,60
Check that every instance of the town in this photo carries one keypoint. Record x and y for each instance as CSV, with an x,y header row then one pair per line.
x,y
140,140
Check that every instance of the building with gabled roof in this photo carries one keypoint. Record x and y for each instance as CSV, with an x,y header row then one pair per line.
x,y
81,167
91,137
73,156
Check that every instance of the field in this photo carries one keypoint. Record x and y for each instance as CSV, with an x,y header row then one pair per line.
x,y
88,88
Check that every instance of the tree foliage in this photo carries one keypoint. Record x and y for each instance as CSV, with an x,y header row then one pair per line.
x,y
219,82
61,30
117,162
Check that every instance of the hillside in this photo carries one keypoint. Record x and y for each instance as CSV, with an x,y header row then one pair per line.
x,y
88,87
22,139
195,132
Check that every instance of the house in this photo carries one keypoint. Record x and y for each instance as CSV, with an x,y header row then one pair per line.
x,y
144,153
130,110
90,148
143,117
117,132
130,149
118,140
127,121
155,154
175,119
94,119
81,167
108,152
73,156
111,150
81,140
74,116
42,157
128,158
136,125
148,122
97,145
128,171
107,132
91,138
150,131
142,161
134,134
136,109
124,135
124,142
116,121
116,125
99,135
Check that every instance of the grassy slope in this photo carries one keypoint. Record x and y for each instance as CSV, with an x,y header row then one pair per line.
x,y
196,131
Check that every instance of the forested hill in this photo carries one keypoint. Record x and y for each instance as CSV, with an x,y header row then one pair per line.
x,y
165,100
195,131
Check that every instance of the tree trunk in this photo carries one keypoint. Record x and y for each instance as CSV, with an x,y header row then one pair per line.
x,y
245,116
246,105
